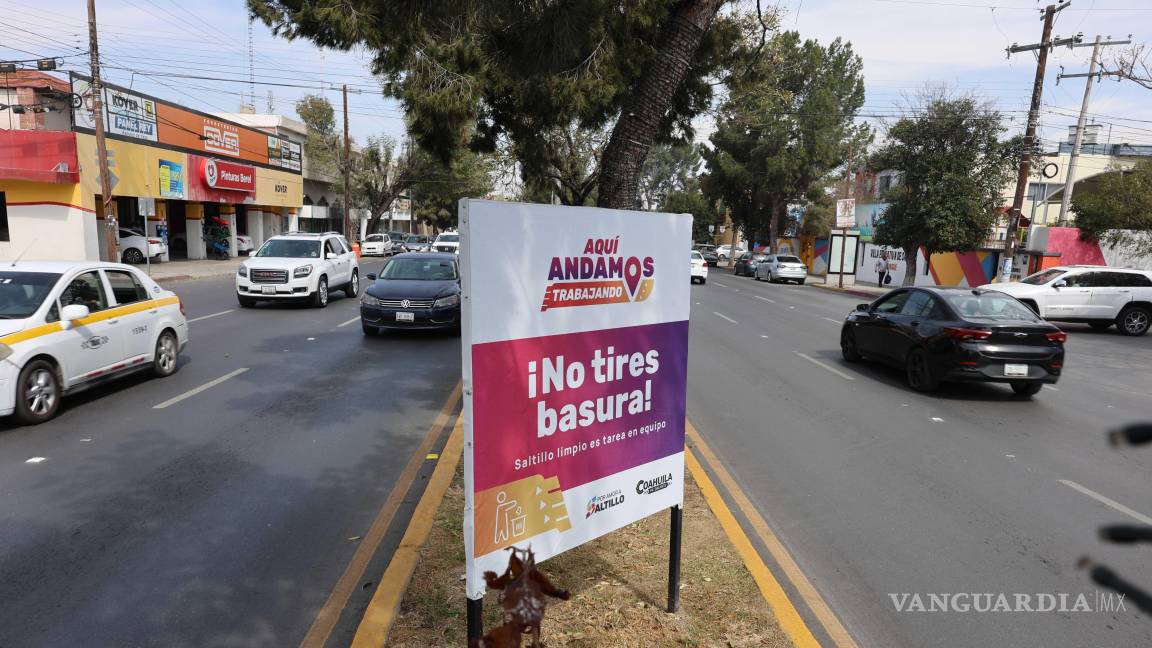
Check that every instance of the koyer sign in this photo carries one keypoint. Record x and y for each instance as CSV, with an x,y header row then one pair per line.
x,y
575,370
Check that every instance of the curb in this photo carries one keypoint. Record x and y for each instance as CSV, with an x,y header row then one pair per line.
x,y
847,291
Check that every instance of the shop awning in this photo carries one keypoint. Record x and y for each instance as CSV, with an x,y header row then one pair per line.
x,y
39,156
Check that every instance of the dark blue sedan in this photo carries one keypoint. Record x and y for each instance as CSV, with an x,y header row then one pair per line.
x,y
416,290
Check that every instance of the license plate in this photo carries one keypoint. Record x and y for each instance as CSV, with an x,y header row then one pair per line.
x,y
1015,370
405,317
268,290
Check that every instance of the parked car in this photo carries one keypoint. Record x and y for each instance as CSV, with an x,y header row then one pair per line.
x,y
956,334
747,263
1095,295
416,290
298,266
709,254
782,267
134,246
67,326
417,243
376,245
397,239
243,244
699,268
447,242
724,252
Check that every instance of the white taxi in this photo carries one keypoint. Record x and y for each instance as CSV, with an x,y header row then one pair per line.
x,y
67,325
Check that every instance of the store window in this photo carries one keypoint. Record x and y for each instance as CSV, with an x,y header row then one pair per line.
x,y
4,234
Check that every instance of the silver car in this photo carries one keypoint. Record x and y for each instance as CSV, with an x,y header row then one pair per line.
x,y
782,267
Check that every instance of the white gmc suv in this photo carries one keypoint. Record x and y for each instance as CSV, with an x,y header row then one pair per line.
x,y
299,266
1096,295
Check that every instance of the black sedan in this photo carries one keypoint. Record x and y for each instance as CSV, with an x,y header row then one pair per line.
x,y
416,290
956,334
709,254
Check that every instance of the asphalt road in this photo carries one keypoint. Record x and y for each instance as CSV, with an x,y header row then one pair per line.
x,y
226,518
878,490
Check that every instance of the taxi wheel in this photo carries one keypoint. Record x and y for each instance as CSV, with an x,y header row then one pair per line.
x,y
38,393
164,362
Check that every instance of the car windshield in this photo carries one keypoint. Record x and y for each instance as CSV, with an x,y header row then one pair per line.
x,y
990,306
21,293
290,248
416,269
448,238
1041,278
697,255
416,239
398,237
788,259
374,238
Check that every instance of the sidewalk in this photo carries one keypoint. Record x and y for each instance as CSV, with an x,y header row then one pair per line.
x,y
860,290
164,273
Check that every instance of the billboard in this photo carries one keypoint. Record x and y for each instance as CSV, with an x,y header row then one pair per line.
x,y
846,213
133,116
575,362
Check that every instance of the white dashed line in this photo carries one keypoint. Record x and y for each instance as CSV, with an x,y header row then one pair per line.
x,y
834,321
351,321
770,301
204,317
192,392
937,419
1110,503
721,285
824,366
1051,387
724,317
35,460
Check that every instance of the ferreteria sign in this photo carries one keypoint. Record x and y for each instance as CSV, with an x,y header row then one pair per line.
x,y
575,369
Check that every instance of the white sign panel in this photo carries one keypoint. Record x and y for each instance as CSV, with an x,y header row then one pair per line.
x,y
846,213
575,356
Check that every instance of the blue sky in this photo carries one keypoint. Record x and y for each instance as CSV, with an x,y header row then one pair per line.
x,y
906,45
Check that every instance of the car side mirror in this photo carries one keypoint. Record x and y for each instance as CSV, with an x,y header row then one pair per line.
x,y
370,276
69,314
1060,283
863,308
331,256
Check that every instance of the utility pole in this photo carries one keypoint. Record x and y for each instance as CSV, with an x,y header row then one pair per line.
x,y
1042,48
844,232
97,90
347,170
1070,179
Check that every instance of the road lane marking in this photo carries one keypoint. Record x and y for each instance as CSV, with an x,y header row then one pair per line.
x,y
786,614
349,582
724,317
35,460
1051,387
204,317
351,321
385,604
717,283
824,366
937,419
770,301
834,321
1110,503
196,390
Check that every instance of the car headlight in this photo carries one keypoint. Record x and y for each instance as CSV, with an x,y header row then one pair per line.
x,y
302,271
369,300
242,271
5,351
444,302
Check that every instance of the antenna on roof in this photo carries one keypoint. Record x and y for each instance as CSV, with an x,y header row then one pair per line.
x,y
22,253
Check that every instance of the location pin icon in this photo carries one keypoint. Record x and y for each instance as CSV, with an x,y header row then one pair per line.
x,y
632,274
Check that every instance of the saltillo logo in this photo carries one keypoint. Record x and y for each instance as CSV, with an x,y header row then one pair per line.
x,y
603,503
598,276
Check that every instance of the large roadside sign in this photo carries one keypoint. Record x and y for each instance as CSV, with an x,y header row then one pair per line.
x,y
575,360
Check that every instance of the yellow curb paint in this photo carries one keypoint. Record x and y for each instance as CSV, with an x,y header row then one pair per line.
x,y
326,619
832,626
381,612
786,614
432,455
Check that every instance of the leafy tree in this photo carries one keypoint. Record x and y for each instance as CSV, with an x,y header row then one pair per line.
x,y
668,168
819,213
380,175
692,202
322,146
1117,209
436,195
954,168
787,123
563,162
469,72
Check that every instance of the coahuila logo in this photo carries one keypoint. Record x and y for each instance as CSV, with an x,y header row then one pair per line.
x,y
649,486
604,502
598,276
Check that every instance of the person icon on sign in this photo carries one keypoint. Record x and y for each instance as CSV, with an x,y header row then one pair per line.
x,y
510,519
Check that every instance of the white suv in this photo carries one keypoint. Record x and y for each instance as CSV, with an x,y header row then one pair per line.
x,y
447,242
1096,295
299,266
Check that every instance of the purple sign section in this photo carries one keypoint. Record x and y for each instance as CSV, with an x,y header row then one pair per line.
x,y
578,406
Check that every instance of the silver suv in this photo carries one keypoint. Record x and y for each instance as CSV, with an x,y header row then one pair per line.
x,y
299,266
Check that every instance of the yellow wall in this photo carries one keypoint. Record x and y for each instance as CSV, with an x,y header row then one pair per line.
x,y
137,167
21,191
290,185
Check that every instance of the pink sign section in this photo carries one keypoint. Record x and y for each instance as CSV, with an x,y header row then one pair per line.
x,y
578,406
